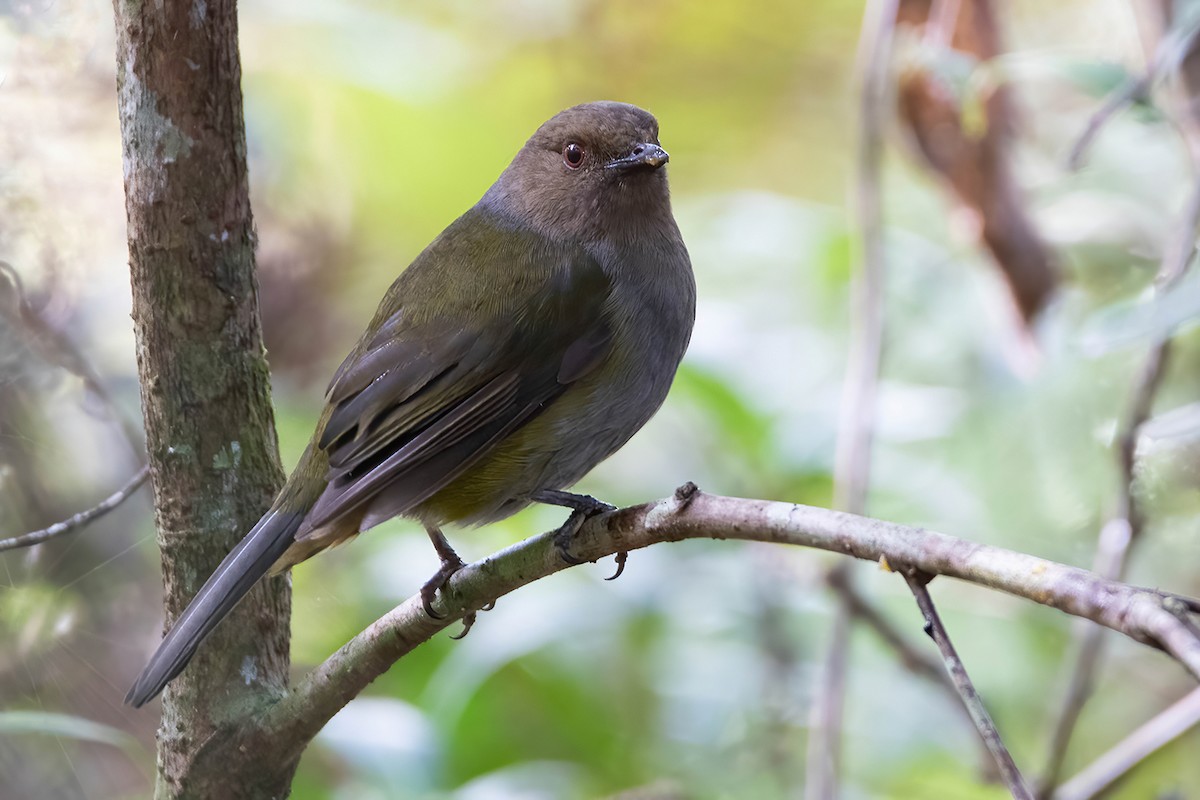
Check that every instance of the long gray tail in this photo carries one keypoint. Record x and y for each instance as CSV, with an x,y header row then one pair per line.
x,y
236,575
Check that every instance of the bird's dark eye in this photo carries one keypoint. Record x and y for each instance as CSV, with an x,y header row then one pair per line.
x,y
573,155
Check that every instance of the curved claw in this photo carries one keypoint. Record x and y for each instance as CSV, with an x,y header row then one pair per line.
x,y
428,606
565,554
468,620
566,532
437,582
622,557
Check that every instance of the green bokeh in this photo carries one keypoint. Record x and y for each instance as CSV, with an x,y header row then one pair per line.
x,y
373,125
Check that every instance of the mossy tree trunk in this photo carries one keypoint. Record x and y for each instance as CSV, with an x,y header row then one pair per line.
x,y
205,384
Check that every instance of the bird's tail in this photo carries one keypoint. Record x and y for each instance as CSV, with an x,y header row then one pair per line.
x,y
241,569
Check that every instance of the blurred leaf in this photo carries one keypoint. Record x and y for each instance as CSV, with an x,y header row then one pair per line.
x,y
389,743
944,779
1143,320
533,623
531,780
1097,78
47,723
34,615
1178,423
724,408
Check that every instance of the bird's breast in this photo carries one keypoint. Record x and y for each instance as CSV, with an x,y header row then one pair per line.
x,y
591,419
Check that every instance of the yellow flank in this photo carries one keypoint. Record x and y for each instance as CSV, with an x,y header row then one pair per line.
x,y
488,483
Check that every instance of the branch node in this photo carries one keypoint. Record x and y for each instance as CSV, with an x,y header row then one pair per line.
x,y
684,496
917,576
666,510
1178,607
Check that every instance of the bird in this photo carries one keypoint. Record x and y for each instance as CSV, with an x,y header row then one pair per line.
x,y
527,343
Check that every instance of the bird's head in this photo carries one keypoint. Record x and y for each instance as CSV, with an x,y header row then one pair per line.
x,y
592,170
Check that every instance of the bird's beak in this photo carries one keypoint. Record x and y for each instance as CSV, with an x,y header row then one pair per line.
x,y
642,155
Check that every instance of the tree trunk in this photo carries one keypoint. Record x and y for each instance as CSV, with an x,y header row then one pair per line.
x,y
205,384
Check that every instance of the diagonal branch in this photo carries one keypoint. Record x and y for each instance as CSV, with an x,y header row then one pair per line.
x,y
79,520
284,729
1144,742
919,584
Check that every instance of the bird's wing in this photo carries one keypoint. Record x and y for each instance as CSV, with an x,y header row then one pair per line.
x,y
427,396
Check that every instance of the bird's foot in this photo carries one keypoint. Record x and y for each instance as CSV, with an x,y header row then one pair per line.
x,y
440,578
583,507
565,533
451,563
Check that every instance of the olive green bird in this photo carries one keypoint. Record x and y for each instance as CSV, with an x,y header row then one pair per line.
x,y
525,345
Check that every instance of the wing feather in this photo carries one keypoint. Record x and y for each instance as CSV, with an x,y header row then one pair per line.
x,y
425,396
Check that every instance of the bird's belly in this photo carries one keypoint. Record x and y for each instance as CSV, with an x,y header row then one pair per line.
x,y
582,427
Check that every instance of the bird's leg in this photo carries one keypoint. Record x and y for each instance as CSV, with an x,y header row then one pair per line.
x,y
451,563
582,508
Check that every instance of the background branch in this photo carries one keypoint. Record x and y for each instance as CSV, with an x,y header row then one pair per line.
x,y
78,520
852,459
58,349
1171,49
1160,731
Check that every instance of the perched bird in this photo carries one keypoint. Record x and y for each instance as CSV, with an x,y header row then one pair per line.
x,y
525,345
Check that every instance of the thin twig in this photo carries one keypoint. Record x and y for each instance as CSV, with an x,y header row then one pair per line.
x,y
58,349
1121,533
1131,751
1009,773
852,459
1135,89
79,520
283,730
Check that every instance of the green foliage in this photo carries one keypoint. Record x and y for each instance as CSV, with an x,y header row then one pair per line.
x,y
15,723
372,125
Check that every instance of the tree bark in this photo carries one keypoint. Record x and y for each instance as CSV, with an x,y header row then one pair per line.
x,y
205,384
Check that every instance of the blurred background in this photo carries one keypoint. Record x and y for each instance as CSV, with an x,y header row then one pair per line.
x,y
372,125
